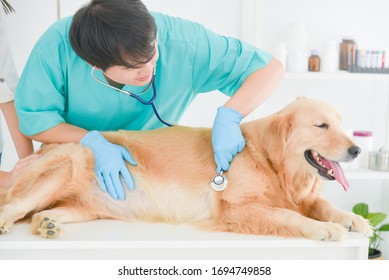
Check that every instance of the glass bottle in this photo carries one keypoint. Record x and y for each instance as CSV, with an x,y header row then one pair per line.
x,y
314,61
347,50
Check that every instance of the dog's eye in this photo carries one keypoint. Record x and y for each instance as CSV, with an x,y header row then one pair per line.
x,y
323,125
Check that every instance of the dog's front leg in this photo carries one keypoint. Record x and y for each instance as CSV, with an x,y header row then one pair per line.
x,y
323,210
255,218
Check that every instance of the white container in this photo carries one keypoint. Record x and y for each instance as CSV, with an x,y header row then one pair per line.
x,y
364,139
297,61
329,57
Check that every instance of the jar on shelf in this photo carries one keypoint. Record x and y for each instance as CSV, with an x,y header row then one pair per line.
x,y
329,58
347,51
364,139
379,160
314,61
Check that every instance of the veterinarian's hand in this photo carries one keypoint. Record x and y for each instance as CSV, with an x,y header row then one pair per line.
x,y
109,164
227,138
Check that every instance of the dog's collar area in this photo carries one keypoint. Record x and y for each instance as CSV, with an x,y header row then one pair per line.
x,y
326,168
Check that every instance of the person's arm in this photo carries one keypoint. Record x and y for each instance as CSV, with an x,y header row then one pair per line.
x,y
22,144
257,87
247,74
227,138
61,133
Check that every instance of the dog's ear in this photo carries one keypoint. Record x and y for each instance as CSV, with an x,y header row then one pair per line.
x,y
278,134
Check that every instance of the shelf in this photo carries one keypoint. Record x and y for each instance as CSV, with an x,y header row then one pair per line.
x,y
368,174
340,75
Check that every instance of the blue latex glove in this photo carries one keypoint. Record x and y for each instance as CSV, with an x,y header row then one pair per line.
x,y
109,164
227,138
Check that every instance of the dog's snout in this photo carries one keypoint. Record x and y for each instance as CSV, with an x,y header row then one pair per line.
x,y
354,151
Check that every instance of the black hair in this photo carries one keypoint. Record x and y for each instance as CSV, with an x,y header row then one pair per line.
x,y
7,7
109,33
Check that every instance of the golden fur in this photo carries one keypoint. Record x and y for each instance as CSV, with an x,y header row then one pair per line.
x,y
272,189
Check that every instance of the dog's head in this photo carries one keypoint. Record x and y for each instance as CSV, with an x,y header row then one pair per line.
x,y
310,139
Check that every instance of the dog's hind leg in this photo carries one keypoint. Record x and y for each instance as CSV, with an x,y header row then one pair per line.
x,y
63,172
48,223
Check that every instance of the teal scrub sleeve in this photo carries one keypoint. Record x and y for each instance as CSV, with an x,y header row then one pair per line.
x,y
39,99
223,63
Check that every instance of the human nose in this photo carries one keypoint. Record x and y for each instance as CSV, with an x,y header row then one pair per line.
x,y
147,68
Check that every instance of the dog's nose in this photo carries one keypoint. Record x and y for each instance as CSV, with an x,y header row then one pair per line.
x,y
354,151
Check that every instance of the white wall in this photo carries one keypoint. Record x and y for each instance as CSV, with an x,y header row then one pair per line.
x,y
363,104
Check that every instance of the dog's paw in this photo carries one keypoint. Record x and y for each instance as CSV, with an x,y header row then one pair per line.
x,y
361,225
5,224
3,230
46,227
327,231
353,222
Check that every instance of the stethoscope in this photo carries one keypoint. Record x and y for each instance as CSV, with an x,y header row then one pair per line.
x,y
137,96
219,181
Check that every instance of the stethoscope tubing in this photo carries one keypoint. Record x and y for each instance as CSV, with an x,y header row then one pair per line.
x,y
137,96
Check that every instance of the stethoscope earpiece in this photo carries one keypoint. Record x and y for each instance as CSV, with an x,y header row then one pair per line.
x,y
219,182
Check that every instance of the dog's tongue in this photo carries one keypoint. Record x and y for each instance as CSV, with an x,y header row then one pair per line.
x,y
338,173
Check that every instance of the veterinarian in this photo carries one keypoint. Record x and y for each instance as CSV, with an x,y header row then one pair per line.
x,y
70,87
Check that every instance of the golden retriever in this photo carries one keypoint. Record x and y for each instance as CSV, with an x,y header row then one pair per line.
x,y
274,183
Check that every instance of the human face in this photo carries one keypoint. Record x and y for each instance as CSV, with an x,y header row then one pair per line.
x,y
140,76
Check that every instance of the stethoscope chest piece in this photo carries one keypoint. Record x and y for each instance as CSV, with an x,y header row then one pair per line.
x,y
219,182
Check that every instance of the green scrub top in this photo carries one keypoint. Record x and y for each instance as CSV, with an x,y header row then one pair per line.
x,y
56,85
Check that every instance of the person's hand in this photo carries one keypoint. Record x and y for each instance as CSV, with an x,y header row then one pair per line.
x,y
227,138
109,164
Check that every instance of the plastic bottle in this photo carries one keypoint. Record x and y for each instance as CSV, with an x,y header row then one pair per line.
x,y
329,59
314,61
347,51
361,58
383,59
296,62
373,59
378,59
364,139
368,59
